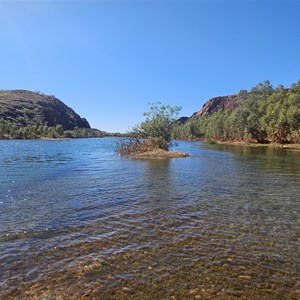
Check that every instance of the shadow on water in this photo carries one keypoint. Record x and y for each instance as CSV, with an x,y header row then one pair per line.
x,y
270,158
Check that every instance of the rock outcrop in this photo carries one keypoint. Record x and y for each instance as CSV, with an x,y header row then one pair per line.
x,y
182,120
223,103
24,108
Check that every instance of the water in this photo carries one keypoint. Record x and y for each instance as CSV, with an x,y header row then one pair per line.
x,y
79,222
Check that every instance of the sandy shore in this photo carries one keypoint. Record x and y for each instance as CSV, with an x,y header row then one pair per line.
x,y
159,154
54,139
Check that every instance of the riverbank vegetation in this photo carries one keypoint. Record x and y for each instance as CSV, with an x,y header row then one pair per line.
x,y
262,115
153,137
9,130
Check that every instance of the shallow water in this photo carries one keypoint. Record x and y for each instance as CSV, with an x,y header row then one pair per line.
x,y
78,221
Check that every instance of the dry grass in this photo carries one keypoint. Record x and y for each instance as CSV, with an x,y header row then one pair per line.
x,y
159,154
145,149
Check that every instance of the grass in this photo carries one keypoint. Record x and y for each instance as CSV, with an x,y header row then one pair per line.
x,y
145,149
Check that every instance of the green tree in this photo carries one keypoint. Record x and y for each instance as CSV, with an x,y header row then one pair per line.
x,y
59,129
45,130
2,127
158,124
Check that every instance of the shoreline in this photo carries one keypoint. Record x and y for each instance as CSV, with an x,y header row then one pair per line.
x,y
53,139
248,144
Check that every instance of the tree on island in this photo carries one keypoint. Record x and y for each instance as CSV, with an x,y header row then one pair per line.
x,y
154,134
157,128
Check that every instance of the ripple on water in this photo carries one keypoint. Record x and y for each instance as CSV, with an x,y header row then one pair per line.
x,y
79,221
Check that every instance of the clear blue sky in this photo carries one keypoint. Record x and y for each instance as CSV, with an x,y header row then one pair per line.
x,y
108,59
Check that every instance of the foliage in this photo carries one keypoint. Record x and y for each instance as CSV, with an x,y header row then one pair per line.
x,y
188,131
263,114
134,145
157,128
154,133
9,130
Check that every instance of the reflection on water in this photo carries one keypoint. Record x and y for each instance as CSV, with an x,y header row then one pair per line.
x,y
78,221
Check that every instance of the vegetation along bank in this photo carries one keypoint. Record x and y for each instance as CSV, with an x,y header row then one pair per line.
x,y
263,114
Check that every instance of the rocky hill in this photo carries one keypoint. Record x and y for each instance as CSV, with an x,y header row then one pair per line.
x,y
24,108
224,103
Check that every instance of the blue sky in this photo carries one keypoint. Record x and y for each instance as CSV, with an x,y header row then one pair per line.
x,y
108,59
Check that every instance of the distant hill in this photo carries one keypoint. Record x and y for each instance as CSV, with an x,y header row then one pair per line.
x,y
25,108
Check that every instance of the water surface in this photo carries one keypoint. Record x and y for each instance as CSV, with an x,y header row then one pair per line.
x,y
78,221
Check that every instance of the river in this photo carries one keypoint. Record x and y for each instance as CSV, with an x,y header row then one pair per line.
x,y
77,221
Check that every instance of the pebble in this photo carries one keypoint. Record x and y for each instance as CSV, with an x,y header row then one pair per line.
x,y
247,277
193,291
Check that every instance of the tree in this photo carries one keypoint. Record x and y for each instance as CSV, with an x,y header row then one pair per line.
x,y
2,127
59,129
152,134
158,124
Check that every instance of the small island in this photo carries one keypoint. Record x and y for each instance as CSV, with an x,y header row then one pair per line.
x,y
159,154
152,138
150,148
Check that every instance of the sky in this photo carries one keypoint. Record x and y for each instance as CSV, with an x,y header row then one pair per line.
x,y
108,59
